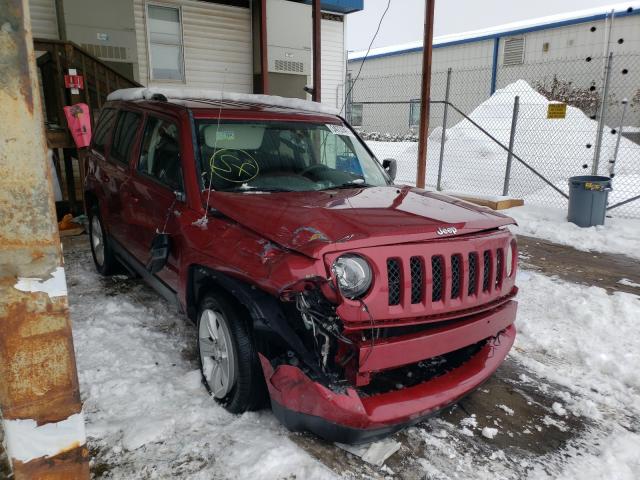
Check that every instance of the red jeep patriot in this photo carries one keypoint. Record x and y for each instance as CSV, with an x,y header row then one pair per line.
x,y
356,305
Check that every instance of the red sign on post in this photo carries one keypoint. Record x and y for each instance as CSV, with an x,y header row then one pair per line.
x,y
79,123
74,81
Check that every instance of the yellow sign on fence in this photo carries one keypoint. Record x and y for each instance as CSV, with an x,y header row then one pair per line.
x,y
557,110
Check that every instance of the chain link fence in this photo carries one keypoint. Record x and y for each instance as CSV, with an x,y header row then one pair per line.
x,y
470,152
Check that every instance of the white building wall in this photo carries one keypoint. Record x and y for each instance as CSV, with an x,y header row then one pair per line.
x,y
397,77
333,62
43,19
217,45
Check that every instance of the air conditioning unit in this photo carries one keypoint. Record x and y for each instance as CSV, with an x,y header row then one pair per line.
x,y
289,37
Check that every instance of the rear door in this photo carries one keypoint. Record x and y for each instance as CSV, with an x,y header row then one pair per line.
x,y
117,172
97,158
156,193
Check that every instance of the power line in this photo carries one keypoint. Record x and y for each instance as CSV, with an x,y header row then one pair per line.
x,y
365,56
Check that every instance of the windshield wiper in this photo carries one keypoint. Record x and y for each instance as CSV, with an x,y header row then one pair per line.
x,y
349,185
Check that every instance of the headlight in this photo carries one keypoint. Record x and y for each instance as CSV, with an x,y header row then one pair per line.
x,y
510,259
353,275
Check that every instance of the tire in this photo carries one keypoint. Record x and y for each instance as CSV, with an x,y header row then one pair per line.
x,y
103,256
245,389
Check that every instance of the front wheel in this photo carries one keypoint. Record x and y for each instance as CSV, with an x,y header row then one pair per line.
x,y
228,358
100,248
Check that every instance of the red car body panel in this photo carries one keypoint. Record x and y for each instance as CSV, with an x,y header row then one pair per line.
x,y
285,243
293,390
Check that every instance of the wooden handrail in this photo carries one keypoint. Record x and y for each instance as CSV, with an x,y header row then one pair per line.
x,y
42,42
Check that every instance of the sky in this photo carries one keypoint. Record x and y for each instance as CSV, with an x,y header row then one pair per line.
x,y
405,18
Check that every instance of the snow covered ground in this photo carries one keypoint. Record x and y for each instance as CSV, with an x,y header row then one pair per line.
x,y
575,365
557,149
617,235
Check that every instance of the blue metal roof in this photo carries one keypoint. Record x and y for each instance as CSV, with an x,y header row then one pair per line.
x,y
493,36
340,6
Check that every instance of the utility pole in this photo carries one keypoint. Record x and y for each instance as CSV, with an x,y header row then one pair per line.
x,y
425,98
40,403
317,52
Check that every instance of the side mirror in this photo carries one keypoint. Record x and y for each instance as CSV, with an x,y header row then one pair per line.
x,y
391,167
160,248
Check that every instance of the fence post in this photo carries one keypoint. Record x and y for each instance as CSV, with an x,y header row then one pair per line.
x,y
602,112
612,170
512,138
42,416
444,129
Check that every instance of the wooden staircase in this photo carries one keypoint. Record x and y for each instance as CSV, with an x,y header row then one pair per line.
x,y
54,58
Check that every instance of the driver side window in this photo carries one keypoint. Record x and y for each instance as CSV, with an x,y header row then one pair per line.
x,y
160,153
338,153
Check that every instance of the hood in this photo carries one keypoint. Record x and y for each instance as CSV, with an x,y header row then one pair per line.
x,y
315,223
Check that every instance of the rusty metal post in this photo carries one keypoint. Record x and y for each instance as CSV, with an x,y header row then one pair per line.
x,y
264,55
40,403
317,52
425,98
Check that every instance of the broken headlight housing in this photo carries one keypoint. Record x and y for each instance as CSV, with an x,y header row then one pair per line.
x,y
353,275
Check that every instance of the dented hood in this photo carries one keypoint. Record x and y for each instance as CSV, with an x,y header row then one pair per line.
x,y
314,223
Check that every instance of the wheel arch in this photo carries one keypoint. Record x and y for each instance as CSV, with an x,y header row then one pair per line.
x,y
268,318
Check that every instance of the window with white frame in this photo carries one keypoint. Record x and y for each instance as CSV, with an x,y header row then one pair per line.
x,y
165,43
414,113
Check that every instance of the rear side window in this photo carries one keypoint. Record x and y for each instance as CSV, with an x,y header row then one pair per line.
x,y
103,129
124,136
160,153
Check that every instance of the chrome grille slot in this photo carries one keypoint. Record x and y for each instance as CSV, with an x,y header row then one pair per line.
x,y
417,279
486,270
499,262
437,274
456,276
473,273
393,279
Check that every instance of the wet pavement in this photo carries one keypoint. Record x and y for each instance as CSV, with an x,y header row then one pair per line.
x,y
604,270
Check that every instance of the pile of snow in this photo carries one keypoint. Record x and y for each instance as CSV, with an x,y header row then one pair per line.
x,y
617,235
558,149
190,93
588,341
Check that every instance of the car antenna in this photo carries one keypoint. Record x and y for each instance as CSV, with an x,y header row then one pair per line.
x,y
202,222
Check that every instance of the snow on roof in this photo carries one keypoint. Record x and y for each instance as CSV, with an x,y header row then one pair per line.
x,y
188,93
501,29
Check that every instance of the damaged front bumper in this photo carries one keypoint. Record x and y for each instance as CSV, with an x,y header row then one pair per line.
x,y
350,416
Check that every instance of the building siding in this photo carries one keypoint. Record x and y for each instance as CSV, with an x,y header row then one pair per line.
x,y
43,19
217,45
396,77
333,62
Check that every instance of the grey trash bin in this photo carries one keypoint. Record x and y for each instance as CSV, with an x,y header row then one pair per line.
x,y
588,200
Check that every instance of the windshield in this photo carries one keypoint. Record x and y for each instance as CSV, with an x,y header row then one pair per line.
x,y
242,156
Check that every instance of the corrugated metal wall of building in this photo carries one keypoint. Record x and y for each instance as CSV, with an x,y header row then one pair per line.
x,y
43,19
333,62
217,45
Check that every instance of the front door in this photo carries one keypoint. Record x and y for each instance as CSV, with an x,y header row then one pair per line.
x,y
155,194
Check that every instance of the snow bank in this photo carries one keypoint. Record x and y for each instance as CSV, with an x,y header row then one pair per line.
x,y
588,341
189,93
580,337
558,149
617,235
